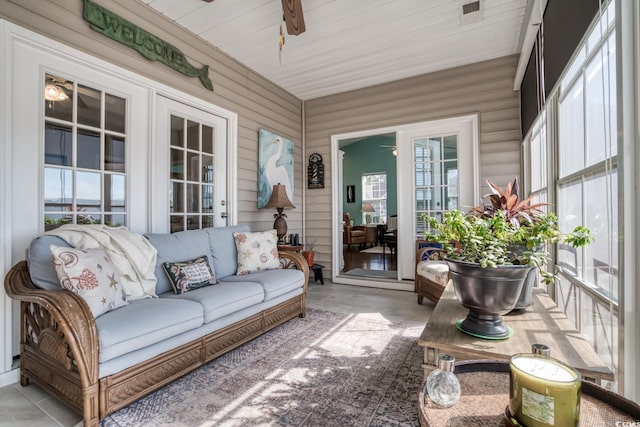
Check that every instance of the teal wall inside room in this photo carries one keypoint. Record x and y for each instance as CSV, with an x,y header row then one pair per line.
x,y
369,155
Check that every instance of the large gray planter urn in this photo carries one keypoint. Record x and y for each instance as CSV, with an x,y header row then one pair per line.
x,y
526,295
488,293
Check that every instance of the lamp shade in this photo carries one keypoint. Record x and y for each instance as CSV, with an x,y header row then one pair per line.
x,y
367,207
279,198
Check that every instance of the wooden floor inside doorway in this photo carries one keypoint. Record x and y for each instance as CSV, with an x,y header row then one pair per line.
x,y
353,258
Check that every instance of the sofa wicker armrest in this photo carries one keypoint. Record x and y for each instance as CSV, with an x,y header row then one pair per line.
x,y
58,340
289,259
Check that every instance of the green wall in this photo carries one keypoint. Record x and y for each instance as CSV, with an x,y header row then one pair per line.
x,y
369,156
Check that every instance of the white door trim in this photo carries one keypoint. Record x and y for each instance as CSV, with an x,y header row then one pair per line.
x,y
232,138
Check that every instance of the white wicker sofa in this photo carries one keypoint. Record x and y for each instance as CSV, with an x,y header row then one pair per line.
x,y
99,365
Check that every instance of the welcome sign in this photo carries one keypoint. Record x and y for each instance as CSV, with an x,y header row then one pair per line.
x,y
151,47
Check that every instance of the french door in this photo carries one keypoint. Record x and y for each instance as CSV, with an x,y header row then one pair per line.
x,y
190,172
443,155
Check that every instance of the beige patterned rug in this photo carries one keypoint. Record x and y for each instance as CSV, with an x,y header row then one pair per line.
x,y
329,369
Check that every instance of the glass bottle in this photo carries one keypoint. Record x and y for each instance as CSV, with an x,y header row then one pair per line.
x,y
442,385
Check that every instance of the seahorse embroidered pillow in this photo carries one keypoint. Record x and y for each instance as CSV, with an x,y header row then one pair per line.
x,y
91,275
257,251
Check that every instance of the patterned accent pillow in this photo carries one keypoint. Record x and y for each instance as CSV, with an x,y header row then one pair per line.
x,y
189,275
257,251
90,274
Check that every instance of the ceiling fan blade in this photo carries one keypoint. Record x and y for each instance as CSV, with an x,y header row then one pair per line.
x,y
293,16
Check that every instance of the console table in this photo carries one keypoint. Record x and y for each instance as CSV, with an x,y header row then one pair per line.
x,y
543,322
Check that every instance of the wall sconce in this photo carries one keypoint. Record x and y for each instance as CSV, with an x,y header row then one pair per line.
x,y
279,200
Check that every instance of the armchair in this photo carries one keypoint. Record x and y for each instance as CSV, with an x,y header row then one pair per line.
x,y
432,272
352,234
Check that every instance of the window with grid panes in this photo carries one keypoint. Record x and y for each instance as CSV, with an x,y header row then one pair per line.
x,y
374,191
84,154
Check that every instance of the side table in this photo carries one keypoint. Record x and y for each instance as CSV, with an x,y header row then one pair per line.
x,y
485,396
371,232
290,248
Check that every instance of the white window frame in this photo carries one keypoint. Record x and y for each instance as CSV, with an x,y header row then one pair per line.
x,y
548,121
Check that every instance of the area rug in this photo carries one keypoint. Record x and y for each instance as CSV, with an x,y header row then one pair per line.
x,y
328,369
384,274
375,250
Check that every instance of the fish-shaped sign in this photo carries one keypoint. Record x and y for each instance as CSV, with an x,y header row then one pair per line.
x,y
151,47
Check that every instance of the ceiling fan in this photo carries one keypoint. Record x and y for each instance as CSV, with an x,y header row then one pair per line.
x,y
392,148
292,11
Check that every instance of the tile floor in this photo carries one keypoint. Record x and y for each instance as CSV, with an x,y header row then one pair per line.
x,y
33,407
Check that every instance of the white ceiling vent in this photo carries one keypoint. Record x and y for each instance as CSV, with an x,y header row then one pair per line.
x,y
471,11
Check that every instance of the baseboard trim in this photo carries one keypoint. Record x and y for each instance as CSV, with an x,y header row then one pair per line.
x,y
9,377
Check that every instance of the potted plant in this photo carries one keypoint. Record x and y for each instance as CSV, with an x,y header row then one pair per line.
x,y
308,252
497,246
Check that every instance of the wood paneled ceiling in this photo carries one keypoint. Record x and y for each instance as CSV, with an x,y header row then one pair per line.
x,y
350,44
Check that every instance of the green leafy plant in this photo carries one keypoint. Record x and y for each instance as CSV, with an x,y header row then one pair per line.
x,y
507,231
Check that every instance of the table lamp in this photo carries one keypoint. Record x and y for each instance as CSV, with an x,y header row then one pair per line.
x,y
279,200
367,208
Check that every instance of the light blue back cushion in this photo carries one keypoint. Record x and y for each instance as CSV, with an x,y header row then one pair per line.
x,y
40,262
178,247
223,248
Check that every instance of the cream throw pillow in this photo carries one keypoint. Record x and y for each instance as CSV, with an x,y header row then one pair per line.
x,y
257,251
91,275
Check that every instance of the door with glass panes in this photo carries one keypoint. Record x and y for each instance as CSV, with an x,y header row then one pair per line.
x,y
443,177
191,172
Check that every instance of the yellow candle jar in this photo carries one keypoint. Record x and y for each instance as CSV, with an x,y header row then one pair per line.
x,y
543,391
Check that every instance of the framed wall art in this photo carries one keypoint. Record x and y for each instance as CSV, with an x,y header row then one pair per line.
x,y
351,193
315,171
275,165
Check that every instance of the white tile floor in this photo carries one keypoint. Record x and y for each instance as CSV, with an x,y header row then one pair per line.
x,y
33,407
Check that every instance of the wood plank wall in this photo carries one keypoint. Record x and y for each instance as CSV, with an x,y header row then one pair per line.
x,y
258,102
484,88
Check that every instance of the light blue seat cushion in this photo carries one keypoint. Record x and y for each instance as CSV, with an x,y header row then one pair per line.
x,y
40,262
145,322
222,299
223,248
275,282
178,247
130,359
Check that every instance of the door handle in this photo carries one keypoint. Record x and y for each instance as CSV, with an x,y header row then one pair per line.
x,y
223,215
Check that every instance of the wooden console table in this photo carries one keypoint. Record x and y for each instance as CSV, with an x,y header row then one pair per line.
x,y
543,322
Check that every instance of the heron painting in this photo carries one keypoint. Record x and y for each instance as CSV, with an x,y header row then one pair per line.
x,y
275,165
